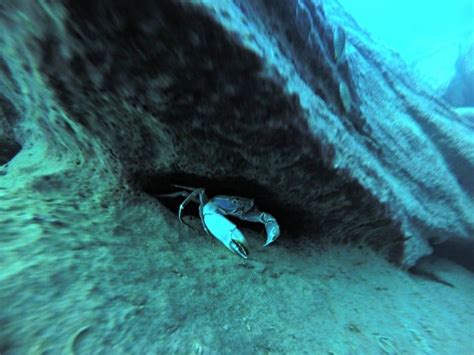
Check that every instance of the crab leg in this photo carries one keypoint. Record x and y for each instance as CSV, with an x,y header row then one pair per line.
x,y
176,194
188,197
192,196
197,195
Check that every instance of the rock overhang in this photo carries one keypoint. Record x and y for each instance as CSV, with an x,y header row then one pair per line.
x,y
198,102
177,93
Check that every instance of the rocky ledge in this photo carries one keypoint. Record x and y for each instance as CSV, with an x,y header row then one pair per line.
x,y
287,102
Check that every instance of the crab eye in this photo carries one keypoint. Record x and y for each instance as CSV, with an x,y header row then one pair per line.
x,y
236,201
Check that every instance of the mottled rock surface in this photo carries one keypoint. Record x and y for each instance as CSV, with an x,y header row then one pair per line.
x,y
251,98
112,102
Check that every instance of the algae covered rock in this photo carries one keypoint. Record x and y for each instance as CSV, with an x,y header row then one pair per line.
x,y
104,105
287,102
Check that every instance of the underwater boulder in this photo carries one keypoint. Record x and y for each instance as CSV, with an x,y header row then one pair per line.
x,y
287,102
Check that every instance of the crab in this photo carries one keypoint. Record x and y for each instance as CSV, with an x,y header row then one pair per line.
x,y
213,211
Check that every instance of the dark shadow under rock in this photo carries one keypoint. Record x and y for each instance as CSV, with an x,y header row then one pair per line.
x,y
9,147
459,251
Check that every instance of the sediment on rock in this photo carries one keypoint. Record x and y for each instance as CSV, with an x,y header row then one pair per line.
x,y
287,102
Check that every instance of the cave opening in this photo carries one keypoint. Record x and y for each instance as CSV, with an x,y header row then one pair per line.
x,y
291,219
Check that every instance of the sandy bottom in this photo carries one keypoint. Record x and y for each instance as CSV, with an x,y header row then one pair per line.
x,y
84,276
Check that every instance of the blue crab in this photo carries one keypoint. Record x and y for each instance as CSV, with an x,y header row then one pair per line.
x,y
212,212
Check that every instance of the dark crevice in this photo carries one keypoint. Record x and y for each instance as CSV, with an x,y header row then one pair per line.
x,y
233,186
376,228
8,150
459,251
9,146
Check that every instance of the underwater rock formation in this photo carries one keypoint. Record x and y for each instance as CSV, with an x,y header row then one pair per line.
x,y
287,102
460,91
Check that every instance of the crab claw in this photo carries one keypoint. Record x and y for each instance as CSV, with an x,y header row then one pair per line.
x,y
239,248
271,227
224,230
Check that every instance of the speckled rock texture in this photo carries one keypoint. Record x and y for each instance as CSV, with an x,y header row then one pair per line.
x,y
288,102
